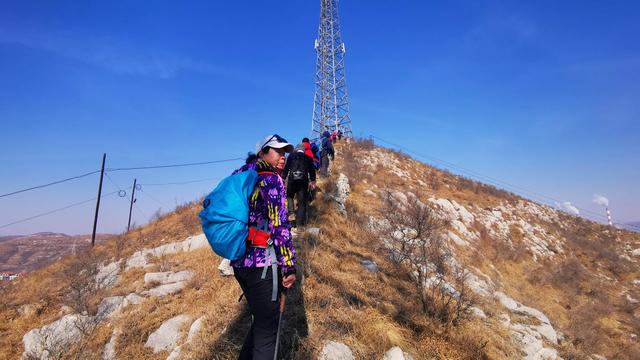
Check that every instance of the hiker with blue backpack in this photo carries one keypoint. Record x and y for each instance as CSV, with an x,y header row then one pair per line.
x,y
326,152
246,220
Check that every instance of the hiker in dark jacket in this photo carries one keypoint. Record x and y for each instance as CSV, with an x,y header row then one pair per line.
x,y
327,153
301,178
254,271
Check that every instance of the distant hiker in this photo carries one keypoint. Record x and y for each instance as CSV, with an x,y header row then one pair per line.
x,y
308,150
327,153
334,136
316,155
256,271
339,134
301,178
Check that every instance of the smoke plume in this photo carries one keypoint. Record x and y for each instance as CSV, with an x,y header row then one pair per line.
x,y
600,200
568,207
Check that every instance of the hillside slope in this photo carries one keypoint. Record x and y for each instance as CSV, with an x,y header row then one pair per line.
x,y
537,283
22,253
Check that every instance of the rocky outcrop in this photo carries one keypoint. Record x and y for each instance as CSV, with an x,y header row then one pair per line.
x,y
141,258
341,193
370,266
50,341
336,351
169,282
107,276
167,336
193,332
396,353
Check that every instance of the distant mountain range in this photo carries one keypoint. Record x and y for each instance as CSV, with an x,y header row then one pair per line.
x,y
633,226
20,253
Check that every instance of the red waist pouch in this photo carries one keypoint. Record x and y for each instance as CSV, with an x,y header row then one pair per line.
x,y
258,238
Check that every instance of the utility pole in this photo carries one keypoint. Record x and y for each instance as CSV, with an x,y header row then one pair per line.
x,y
330,102
133,194
95,219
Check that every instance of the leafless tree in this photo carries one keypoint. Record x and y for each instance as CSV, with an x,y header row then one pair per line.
x,y
413,235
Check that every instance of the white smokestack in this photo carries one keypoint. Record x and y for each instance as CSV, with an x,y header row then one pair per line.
x,y
600,200
603,201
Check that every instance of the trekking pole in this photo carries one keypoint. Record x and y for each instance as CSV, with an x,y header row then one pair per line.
x,y
282,301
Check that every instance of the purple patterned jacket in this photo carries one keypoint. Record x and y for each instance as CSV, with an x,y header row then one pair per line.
x,y
274,210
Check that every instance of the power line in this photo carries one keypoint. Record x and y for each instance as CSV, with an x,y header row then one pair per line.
x,y
146,193
172,165
51,183
182,182
56,210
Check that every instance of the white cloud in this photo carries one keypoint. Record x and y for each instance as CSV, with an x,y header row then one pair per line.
x,y
109,53
600,200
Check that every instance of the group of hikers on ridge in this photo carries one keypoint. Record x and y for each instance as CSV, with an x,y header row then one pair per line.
x,y
272,187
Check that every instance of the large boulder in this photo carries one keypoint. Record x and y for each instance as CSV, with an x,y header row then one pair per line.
x,y
107,275
167,336
141,258
341,193
336,351
164,290
396,353
167,277
50,341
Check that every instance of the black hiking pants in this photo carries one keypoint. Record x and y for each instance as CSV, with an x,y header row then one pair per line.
x,y
324,164
300,191
260,343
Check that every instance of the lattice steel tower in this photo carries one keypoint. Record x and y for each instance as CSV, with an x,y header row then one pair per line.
x,y
330,103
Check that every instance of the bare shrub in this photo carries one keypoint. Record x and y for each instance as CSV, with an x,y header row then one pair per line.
x,y
81,277
83,287
415,241
156,215
353,168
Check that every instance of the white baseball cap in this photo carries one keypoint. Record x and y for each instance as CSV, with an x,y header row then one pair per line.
x,y
274,141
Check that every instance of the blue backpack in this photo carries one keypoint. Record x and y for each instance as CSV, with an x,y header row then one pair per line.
x,y
225,214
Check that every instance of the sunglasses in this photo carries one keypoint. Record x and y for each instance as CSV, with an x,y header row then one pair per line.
x,y
277,137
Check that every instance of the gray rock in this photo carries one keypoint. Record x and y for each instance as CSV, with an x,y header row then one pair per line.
x,y
141,258
109,350
336,351
477,312
636,252
107,275
314,231
65,310
50,341
195,242
370,193
193,331
175,354
166,289
168,334
597,357
110,306
400,197
195,328
133,298
31,309
167,277
371,266
395,353
341,194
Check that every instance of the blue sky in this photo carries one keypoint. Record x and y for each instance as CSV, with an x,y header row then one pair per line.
x,y
544,95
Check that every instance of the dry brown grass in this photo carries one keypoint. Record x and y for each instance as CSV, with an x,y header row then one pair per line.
x,y
336,299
